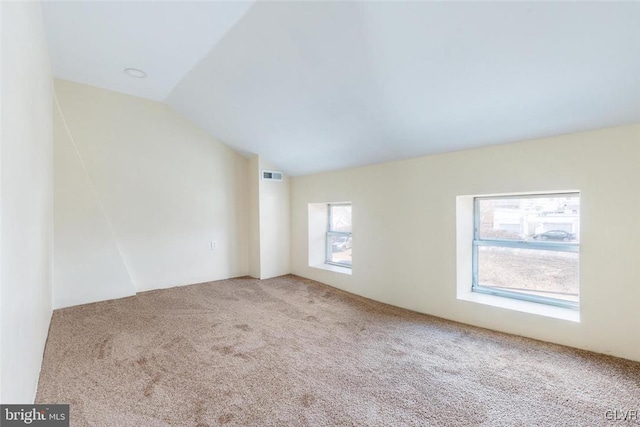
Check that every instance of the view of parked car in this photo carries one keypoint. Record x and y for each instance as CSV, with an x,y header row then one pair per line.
x,y
555,235
341,244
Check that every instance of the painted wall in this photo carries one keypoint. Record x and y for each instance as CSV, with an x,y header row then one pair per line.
x,y
166,188
26,200
269,223
88,265
404,231
254,216
275,223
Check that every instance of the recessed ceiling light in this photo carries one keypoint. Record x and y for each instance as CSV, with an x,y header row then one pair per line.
x,y
134,72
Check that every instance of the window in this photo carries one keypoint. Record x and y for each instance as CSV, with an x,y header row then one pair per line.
x,y
338,240
527,247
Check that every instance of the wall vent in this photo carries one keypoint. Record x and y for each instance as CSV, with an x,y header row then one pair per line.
x,y
271,175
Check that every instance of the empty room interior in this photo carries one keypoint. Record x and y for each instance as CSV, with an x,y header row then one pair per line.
x,y
334,213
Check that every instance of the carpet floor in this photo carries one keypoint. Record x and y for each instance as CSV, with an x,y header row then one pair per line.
x,y
293,352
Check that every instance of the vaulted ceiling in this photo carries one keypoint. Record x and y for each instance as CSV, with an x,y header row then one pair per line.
x,y
315,86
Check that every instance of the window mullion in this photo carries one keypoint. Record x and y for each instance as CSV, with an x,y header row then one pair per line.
x,y
547,246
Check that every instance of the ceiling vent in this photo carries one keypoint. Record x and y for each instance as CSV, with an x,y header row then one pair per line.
x,y
271,175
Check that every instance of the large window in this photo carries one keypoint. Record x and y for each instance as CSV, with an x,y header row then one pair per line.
x,y
527,247
339,234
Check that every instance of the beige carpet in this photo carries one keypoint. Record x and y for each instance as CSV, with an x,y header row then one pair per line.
x,y
290,351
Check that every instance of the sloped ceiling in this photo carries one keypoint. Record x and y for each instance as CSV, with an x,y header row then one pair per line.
x,y
316,86
92,42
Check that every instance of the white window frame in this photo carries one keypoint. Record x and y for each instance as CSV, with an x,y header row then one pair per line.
x,y
522,244
330,233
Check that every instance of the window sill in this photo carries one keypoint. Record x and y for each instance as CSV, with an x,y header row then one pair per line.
x,y
539,309
334,268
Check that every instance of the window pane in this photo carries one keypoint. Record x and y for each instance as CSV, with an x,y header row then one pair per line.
x,y
341,218
340,248
534,272
550,218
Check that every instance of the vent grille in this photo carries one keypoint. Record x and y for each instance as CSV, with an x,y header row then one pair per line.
x,y
271,175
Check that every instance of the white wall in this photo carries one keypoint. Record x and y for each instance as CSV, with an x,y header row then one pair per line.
x,y
404,231
26,200
254,216
269,223
275,225
167,190
88,265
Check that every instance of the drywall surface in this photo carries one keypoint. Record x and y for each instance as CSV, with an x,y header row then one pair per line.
x,y
382,85
88,266
254,216
26,200
404,231
269,222
175,197
275,225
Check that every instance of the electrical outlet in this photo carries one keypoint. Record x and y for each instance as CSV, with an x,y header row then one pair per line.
x,y
213,245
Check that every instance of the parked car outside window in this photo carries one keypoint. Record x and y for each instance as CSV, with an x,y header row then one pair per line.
x,y
555,235
341,244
